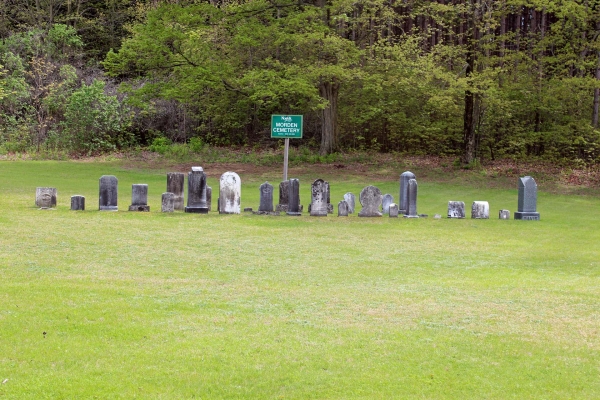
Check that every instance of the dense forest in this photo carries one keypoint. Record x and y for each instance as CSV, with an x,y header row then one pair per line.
x,y
474,79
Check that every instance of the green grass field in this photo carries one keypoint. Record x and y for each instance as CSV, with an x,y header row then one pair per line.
x,y
175,306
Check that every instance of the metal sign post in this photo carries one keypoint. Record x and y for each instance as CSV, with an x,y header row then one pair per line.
x,y
286,127
285,158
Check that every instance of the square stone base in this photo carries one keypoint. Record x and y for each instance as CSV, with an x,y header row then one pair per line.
x,y
527,216
109,208
139,208
197,210
294,214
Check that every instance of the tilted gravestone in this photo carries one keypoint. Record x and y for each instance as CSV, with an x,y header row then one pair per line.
x,y
139,197
351,200
266,197
504,214
385,203
370,199
456,209
284,191
108,193
480,210
196,198
393,210
45,197
77,203
167,202
403,199
342,209
527,207
230,193
411,196
318,205
175,185
294,207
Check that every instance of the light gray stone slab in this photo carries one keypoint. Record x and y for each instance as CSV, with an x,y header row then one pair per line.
x,y
343,208
504,214
480,210
456,209
319,192
45,197
393,210
230,193
176,185
108,197
403,199
168,202
385,203
139,197
351,200
370,199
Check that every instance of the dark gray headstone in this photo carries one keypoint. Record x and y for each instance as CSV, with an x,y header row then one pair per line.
x,y
209,197
77,203
480,210
385,203
294,197
370,198
318,205
342,209
456,209
393,210
196,198
284,191
411,205
266,197
329,205
45,197
504,214
168,202
527,207
403,199
230,193
175,185
139,197
108,193
351,200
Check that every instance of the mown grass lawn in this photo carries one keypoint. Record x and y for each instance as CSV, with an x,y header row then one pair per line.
x,y
150,305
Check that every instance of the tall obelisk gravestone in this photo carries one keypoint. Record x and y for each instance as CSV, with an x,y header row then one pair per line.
x,y
527,207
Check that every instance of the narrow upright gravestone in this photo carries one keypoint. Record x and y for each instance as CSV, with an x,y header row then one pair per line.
x,y
385,203
167,202
175,185
284,191
527,207
45,197
370,198
139,197
318,205
266,197
108,193
504,214
230,193
342,209
196,198
351,200
209,198
403,199
77,203
411,195
328,197
456,209
294,207
480,210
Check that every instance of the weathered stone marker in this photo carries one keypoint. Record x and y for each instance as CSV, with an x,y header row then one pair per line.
x,y
527,208
385,203
403,199
168,202
411,196
294,197
196,198
329,205
209,198
230,193
284,192
480,210
318,205
175,185
456,209
393,210
370,199
351,200
342,209
108,193
504,214
266,197
77,203
139,197
45,197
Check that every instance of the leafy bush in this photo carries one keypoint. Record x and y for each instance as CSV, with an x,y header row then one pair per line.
x,y
160,145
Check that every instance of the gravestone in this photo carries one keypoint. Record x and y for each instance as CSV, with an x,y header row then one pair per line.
x,y
139,197
527,207
318,205
351,200
403,199
504,214
480,210
294,197
456,209
209,198
284,189
230,193
77,203
168,202
196,197
393,210
385,203
411,196
45,197
343,208
329,205
266,197
175,185
370,198
108,193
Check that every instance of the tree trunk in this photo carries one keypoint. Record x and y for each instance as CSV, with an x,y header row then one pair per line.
x,y
469,140
329,91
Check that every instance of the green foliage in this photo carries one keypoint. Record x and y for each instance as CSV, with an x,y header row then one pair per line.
x,y
160,145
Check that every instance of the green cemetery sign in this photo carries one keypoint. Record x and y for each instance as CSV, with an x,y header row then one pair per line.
x,y
286,126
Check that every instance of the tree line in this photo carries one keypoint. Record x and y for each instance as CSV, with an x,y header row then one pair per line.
x,y
477,79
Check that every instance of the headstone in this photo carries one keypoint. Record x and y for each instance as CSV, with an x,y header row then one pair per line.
x,y
318,205
370,198
411,205
294,197
284,189
504,214
77,203
209,198
343,208
139,197
266,197
527,208
168,202
437,216
329,205
175,185
403,199
480,210
393,210
108,193
230,193
196,198
351,200
45,197
456,209
385,203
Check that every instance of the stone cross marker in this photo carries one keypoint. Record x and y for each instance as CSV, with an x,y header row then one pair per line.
x,y
318,205
175,185
403,199
527,207
108,193
294,207
266,197
351,200
196,198
230,193
284,192
456,209
77,203
167,202
411,195
139,197
342,209
480,210
45,197
385,203
370,198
